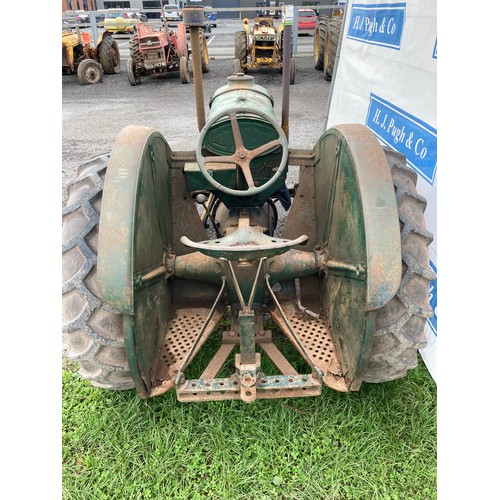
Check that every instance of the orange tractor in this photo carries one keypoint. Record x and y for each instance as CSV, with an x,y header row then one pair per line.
x,y
157,52
88,62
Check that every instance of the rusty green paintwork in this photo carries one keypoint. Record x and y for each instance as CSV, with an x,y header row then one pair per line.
x,y
135,238
357,224
355,256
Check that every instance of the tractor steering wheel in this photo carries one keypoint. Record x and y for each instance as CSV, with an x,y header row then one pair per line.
x,y
242,156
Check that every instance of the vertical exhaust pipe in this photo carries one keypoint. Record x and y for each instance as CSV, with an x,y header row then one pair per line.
x,y
287,54
194,18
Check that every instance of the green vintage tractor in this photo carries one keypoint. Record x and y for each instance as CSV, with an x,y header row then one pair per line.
x,y
167,254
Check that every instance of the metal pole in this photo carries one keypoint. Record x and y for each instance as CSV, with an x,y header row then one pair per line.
x,y
93,25
196,33
285,105
194,18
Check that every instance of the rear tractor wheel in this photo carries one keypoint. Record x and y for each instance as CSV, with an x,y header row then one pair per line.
x,y
134,48
331,43
204,54
237,67
240,48
400,324
89,72
319,42
109,56
92,332
133,73
184,69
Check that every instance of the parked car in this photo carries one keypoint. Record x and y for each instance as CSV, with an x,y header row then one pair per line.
x,y
99,16
76,16
69,17
121,20
172,13
212,17
307,21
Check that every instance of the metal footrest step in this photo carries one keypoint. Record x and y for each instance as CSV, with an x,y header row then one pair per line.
x,y
316,338
181,333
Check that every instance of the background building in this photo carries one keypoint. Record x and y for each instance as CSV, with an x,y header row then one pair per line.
x,y
157,5
79,5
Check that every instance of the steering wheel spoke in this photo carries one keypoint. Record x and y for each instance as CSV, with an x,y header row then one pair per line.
x,y
263,149
245,168
238,140
221,159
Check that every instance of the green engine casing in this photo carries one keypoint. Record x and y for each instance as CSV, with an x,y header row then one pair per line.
x,y
241,91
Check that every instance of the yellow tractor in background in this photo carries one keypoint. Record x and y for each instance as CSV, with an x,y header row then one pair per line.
x,y
260,47
88,62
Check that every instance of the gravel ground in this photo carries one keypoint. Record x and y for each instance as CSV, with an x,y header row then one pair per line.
x,y
93,115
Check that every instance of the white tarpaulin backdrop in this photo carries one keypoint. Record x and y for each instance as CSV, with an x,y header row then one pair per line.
x,y
386,79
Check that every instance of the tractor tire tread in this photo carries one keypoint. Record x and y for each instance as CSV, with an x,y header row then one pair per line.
x,y
240,47
110,65
331,44
92,331
400,326
134,48
319,42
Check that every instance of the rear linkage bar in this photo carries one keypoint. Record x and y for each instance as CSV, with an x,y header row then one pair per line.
x,y
249,382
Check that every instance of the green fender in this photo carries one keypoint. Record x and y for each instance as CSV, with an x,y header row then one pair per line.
x,y
135,237
357,229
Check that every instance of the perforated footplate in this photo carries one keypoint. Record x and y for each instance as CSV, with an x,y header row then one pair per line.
x,y
314,334
182,330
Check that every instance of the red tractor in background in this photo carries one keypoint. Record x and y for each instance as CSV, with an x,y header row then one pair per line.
x,y
163,51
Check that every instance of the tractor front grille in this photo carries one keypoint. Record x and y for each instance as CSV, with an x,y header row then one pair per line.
x,y
149,42
154,59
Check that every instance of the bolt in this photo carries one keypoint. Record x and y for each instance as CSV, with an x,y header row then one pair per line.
x,y
201,198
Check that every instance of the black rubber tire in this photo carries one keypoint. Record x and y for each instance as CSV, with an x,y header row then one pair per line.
x,y
133,45
109,56
237,67
184,69
204,54
240,47
400,323
133,74
89,72
331,43
319,41
92,332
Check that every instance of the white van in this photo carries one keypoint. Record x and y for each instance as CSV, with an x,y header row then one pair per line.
x,y
172,12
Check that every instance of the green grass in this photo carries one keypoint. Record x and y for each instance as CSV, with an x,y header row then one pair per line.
x,y
379,443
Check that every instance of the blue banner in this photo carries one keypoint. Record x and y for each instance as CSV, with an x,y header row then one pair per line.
x,y
405,133
378,24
